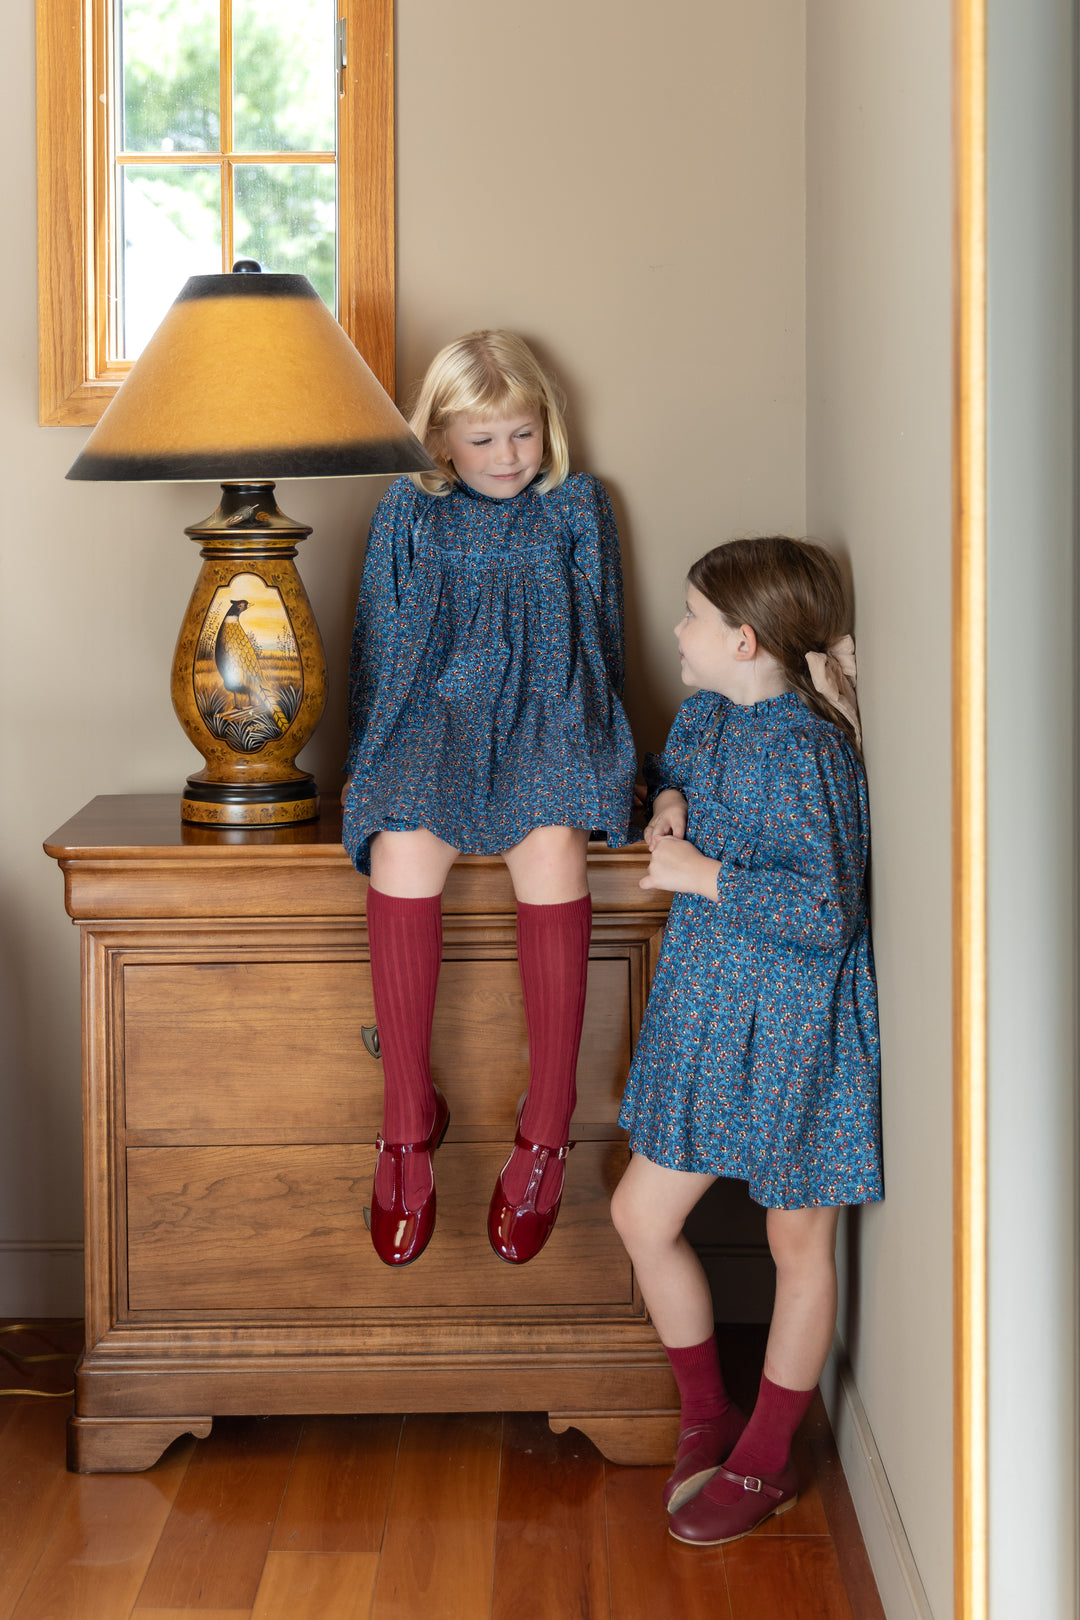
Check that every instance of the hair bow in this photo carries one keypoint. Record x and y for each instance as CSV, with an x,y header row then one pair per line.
x,y
833,675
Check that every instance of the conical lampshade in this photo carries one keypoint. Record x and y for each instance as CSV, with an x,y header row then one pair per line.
x,y
249,376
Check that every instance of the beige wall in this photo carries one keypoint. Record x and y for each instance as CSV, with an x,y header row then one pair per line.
x,y
631,198
879,488
630,195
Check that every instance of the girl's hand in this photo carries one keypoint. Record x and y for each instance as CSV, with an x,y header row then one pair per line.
x,y
681,868
345,791
669,818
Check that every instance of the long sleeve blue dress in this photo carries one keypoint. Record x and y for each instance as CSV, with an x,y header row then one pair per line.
x,y
759,1050
487,668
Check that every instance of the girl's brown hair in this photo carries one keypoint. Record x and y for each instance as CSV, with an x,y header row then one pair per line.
x,y
791,594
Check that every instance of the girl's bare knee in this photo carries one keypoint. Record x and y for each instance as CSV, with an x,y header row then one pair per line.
x,y
549,865
802,1237
630,1220
621,1212
410,864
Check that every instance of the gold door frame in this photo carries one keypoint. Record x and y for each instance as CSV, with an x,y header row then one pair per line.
x,y
969,810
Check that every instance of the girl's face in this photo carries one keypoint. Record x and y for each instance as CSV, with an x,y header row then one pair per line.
x,y
497,456
713,654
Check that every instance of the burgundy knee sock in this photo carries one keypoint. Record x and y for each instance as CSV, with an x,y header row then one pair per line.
x,y
765,1447
553,959
701,1386
406,951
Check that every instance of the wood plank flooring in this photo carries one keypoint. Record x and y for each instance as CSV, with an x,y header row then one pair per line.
x,y
429,1517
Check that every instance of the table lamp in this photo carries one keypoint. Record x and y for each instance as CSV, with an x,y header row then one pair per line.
x,y
249,378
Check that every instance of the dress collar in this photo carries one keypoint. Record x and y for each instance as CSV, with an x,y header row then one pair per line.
x,y
467,491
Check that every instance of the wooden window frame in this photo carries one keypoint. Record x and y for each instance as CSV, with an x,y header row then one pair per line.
x,y
76,382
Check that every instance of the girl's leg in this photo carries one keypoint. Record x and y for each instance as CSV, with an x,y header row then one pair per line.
x,y
554,925
757,1478
404,914
649,1208
803,1246
554,922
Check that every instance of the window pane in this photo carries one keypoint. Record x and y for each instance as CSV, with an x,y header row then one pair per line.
x,y
168,67
285,216
284,91
169,228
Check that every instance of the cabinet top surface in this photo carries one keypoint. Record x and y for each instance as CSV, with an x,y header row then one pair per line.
x,y
130,826
135,826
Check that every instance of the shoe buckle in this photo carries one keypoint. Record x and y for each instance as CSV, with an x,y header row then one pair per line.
x,y
752,1484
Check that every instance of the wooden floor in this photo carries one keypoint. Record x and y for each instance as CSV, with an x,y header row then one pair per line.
x,y
416,1518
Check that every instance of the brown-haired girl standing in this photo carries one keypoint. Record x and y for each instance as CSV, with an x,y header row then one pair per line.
x,y
759,1055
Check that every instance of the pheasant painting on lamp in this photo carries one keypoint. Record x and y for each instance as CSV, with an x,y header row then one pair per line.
x,y
248,379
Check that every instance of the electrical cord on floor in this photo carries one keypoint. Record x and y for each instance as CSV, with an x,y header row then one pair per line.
x,y
18,1361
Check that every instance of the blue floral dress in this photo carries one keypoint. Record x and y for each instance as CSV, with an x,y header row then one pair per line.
x,y
487,663
759,1051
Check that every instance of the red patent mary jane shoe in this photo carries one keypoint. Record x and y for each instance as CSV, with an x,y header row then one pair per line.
x,y
519,1231
701,1449
703,1522
401,1234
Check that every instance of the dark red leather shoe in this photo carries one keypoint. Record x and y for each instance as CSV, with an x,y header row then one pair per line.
x,y
519,1231
703,1522
401,1234
702,1448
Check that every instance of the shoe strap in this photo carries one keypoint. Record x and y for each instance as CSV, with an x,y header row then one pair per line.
x,y
752,1482
542,1147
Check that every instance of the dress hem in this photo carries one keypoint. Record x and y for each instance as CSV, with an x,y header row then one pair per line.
x,y
758,1195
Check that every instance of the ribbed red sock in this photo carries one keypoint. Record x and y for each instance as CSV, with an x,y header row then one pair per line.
x,y
406,952
765,1447
701,1386
553,959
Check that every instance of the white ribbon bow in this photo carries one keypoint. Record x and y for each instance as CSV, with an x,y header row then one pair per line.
x,y
833,675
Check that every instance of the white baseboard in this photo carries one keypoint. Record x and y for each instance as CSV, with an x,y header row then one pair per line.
x,y
898,1582
40,1278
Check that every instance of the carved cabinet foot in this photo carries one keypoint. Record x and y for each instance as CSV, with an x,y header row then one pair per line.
x,y
125,1445
635,1439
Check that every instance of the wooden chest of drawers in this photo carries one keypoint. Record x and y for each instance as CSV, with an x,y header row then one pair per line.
x,y
230,1110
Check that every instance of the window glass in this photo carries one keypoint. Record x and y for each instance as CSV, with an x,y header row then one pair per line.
x,y
283,75
168,228
284,217
168,58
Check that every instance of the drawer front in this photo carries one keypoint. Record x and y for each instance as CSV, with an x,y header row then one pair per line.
x,y
221,1229
278,1046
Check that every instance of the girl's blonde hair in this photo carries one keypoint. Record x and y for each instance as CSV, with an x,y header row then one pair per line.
x,y
791,594
486,375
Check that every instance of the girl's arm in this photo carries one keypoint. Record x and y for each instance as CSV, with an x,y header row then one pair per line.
x,y
611,593
800,879
596,554
674,767
387,566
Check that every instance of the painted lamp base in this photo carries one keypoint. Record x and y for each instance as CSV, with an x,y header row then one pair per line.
x,y
249,676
